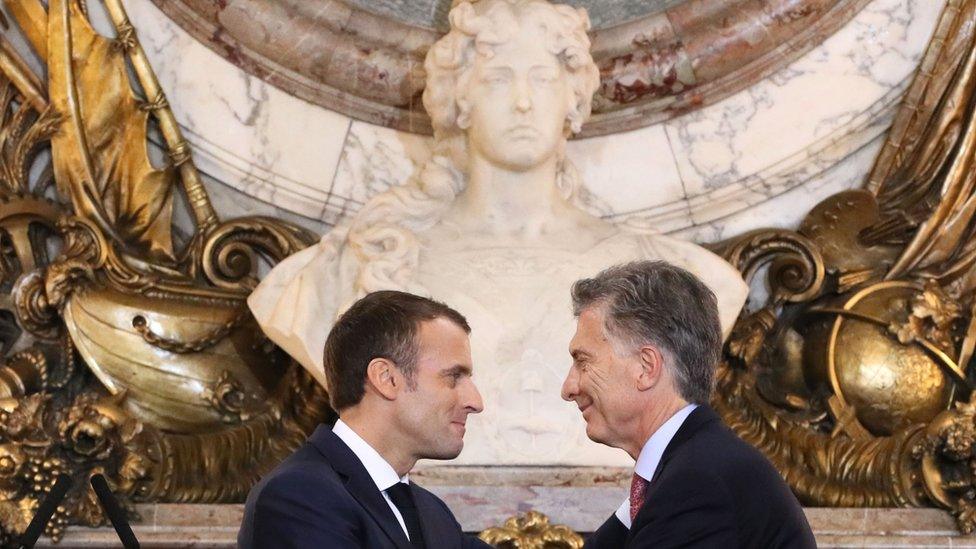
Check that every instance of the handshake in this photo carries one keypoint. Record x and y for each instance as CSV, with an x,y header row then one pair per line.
x,y
398,370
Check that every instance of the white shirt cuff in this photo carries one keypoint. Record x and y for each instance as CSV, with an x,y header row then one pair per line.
x,y
623,513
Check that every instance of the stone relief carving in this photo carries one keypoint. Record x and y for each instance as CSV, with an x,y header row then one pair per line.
x,y
493,225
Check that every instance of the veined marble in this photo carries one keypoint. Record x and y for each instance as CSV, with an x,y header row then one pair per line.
x,y
790,129
700,174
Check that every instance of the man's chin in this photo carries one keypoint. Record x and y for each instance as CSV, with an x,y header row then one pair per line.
x,y
445,453
594,435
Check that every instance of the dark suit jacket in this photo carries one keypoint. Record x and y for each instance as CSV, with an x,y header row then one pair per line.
x,y
322,497
711,489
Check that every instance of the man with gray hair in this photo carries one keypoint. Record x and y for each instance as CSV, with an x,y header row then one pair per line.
x,y
644,355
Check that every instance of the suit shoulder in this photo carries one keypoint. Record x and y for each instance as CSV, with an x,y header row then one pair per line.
x,y
716,456
301,503
722,451
301,476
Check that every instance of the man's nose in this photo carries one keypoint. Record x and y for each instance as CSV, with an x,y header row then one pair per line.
x,y
473,400
570,385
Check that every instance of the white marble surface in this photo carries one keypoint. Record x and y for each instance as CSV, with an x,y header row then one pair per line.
x,y
791,129
244,132
701,174
374,159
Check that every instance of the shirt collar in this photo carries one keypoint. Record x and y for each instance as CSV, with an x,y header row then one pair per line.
x,y
378,468
653,450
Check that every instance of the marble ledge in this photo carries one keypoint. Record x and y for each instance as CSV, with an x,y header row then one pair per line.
x,y
215,526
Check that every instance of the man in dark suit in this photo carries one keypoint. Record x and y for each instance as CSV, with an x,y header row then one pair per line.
x,y
647,342
399,376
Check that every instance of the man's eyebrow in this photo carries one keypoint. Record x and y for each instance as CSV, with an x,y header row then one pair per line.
x,y
578,354
463,369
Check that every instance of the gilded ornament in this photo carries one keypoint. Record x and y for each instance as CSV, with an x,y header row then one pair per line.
x,y
532,530
890,383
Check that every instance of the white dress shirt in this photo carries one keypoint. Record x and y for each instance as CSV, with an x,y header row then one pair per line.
x,y
378,468
652,452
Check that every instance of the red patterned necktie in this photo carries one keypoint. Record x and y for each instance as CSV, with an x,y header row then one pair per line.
x,y
638,488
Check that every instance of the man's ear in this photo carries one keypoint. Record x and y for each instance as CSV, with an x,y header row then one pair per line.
x,y
381,377
652,367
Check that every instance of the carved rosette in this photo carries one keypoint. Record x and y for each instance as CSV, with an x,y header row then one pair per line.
x,y
946,455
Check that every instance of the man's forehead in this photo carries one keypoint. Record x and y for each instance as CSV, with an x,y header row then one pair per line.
x,y
590,329
578,343
443,339
591,317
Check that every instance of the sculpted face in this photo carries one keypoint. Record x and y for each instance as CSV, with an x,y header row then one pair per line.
x,y
600,381
518,98
434,413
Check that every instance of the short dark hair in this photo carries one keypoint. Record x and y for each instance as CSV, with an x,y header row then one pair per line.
x,y
664,305
380,325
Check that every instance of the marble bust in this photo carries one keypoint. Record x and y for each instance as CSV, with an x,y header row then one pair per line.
x,y
493,225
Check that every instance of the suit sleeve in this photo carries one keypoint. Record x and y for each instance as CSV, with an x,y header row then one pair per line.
x,y
611,535
296,511
687,510
473,542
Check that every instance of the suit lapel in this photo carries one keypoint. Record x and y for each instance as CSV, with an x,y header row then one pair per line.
x,y
358,482
430,517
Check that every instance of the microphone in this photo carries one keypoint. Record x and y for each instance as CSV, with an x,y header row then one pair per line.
x,y
45,511
114,511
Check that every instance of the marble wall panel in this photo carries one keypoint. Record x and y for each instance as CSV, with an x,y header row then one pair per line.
x,y
761,157
850,75
628,171
245,133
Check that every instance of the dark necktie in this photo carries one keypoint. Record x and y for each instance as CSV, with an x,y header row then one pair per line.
x,y
638,489
401,496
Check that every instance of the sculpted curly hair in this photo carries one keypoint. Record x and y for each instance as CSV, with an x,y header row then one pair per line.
x,y
381,233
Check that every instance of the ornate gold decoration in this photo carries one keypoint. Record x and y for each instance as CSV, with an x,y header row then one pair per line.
x,y
947,456
532,530
853,377
858,387
179,396
891,374
231,400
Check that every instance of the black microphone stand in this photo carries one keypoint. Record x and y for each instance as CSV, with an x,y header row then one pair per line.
x,y
109,504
